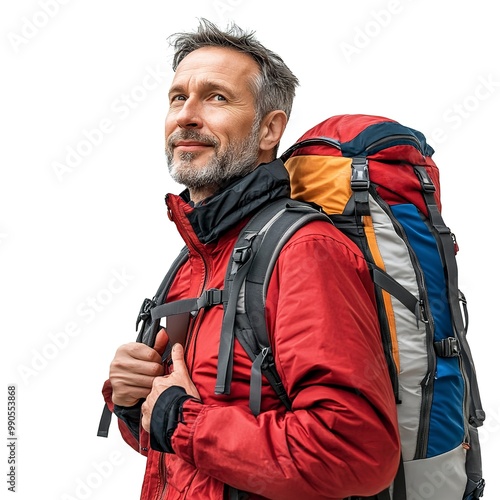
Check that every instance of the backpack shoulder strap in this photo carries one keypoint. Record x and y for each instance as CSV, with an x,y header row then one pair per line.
x,y
150,321
247,278
149,326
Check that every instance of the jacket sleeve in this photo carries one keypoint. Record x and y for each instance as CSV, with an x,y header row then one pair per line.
x,y
341,437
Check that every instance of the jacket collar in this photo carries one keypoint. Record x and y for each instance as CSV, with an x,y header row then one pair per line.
x,y
220,212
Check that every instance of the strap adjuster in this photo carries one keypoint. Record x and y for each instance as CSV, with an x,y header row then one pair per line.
x,y
145,311
447,348
210,298
425,181
241,254
360,180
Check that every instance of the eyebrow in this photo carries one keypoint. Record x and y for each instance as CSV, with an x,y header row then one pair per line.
x,y
207,86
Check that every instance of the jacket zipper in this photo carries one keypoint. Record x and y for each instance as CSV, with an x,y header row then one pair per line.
x,y
427,383
187,237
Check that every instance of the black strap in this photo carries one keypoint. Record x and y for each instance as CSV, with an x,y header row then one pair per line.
x,y
446,244
150,327
360,182
105,421
390,285
399,483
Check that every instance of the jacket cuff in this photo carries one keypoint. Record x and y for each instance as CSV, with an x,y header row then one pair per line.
x,y
166,415
131,416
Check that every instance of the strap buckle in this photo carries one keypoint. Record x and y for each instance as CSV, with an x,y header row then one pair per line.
x,y
241,254
145,311
360,180
209,298
447,348
425,181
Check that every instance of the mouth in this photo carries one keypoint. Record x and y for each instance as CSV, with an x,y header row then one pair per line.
x,y
191,146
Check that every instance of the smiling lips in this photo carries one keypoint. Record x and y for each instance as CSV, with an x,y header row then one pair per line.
x,y
191,146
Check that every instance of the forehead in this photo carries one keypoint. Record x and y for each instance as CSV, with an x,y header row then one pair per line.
x,y
222,64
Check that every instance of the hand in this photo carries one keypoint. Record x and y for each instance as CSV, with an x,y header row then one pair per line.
x,y
179,376
134,368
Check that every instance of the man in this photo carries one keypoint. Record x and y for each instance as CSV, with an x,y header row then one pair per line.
x,y
230,100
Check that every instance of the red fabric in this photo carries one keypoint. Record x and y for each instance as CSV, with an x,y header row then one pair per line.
x,y
341,437
390,169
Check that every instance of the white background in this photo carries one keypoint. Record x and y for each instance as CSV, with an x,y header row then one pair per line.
x,y
70,67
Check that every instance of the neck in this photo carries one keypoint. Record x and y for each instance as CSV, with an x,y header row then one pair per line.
x,y
199,194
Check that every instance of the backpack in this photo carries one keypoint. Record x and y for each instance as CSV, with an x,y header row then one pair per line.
x,y
375,180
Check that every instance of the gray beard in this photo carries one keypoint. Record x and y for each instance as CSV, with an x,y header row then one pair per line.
x,y
237,160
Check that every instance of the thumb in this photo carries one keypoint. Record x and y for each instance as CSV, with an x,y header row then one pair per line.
x,y
178,363
161,341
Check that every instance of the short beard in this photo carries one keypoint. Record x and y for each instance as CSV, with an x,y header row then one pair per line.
x,y
237,160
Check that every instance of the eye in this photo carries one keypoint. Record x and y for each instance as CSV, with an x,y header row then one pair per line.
x,y
219,97
178,97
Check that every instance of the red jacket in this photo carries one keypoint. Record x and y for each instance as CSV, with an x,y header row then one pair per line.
x,y
341,437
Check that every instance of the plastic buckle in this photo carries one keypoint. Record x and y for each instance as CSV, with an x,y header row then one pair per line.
x,y
425,180
478,492
241,254
210,298
447,348
145,311
359,179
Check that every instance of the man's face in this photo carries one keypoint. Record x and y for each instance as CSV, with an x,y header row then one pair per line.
x,y
211,134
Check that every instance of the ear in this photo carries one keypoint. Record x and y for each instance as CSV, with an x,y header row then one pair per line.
x,y
272,129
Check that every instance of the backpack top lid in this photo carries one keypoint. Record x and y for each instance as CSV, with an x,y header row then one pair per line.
x,y
391,148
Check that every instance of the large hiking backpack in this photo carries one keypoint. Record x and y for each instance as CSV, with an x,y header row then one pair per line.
x,y
376,181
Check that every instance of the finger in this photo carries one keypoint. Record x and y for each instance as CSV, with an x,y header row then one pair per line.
x,y
146,418
128,366
178,363
138,351
161,341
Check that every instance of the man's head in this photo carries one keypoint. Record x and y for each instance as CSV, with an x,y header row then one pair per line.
x,y
230,100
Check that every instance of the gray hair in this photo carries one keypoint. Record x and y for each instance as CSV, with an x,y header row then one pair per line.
x,y
273,88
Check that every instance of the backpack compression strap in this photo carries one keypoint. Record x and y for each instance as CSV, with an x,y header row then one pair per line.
x,y
446,246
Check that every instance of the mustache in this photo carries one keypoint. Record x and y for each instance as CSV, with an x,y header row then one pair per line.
x,y
191,135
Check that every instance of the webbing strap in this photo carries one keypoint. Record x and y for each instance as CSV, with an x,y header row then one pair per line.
x,y
256,383
390,285
399,483
226,346
105,421
360,182
171,308
208,298
446,246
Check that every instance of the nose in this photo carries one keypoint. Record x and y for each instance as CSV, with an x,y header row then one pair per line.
x,y
189,116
